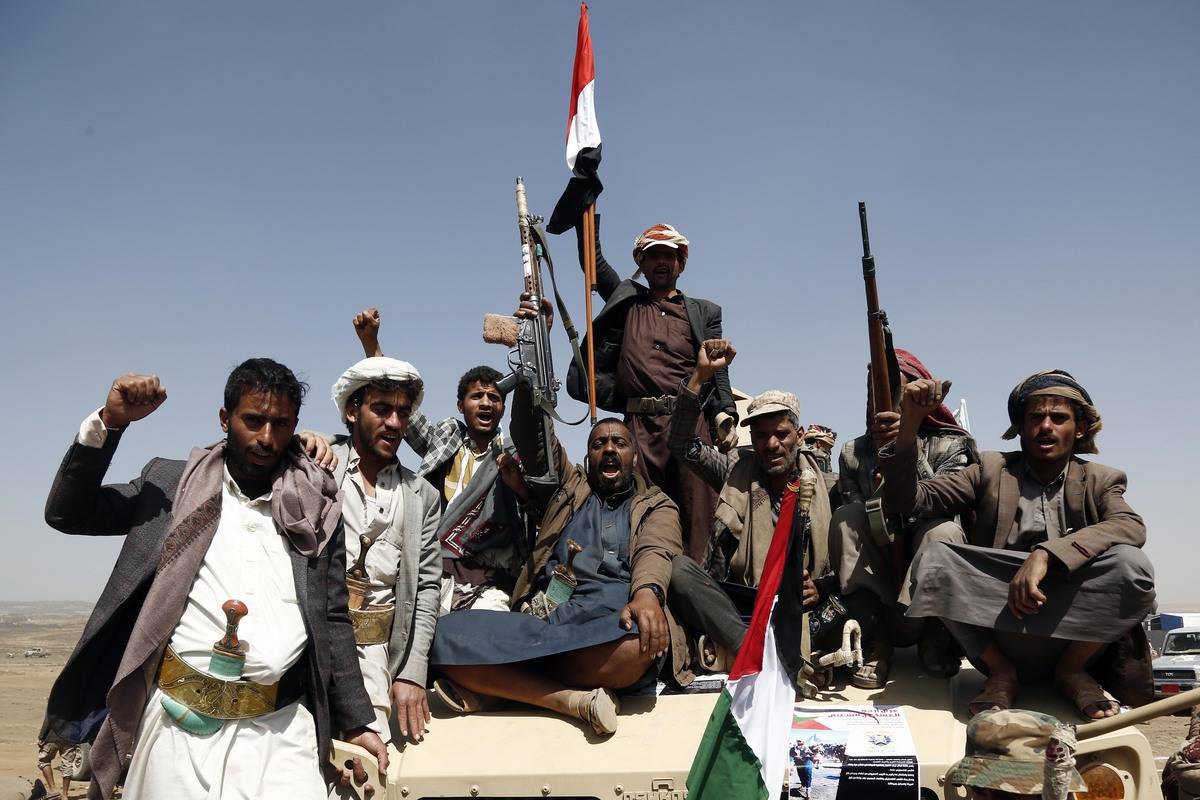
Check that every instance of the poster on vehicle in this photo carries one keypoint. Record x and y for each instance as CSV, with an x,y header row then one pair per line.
x,y
851,752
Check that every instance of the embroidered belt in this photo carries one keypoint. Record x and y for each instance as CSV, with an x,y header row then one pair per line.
x,y
373,624
214,697
654,406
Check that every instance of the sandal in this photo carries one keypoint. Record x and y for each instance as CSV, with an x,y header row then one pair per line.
x,y
455,697
1082,690
939,652
598,708
876,667
998,693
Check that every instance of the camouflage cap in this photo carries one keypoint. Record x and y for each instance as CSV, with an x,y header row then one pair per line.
x,y
1006,750
773,401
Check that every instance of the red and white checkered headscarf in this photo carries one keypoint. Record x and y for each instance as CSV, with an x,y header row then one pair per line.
x,y
660,234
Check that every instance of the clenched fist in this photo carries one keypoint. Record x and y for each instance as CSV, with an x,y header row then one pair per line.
x,y
366,325
132,397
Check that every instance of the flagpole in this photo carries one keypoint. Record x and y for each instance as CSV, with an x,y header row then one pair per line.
x,y
589,280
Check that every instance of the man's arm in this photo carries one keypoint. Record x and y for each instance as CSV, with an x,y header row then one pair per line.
x,y
1119,524
78,503
659,539
722,398
526,432
705,460
408,686
607,278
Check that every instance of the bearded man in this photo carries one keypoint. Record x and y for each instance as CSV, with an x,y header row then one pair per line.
x,y
250,518
395,515
717,597
595,621
646,340
1051,580
484,531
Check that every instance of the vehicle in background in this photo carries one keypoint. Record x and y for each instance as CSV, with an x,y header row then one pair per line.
x,y
1178,668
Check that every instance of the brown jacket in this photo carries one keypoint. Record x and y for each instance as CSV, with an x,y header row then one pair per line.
x,y
1094,497
655,534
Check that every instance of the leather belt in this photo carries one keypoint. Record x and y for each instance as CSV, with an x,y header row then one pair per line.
x,y
373,624
222,699
654,406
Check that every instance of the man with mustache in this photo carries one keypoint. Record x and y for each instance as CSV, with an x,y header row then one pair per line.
x,y
483,531
1052,581
860,553
611,632
398,513
253,519
714,598
646,339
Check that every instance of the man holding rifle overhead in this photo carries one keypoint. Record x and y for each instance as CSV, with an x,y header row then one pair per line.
x,y
646,338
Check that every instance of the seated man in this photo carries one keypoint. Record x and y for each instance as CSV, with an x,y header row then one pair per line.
x,y
859,549
612,631
751,486
393,581
483,533
1053,572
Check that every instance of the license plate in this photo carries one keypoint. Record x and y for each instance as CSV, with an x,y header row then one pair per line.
x,y
1169,688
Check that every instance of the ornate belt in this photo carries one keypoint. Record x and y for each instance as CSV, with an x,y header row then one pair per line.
x,y
373,624
213,697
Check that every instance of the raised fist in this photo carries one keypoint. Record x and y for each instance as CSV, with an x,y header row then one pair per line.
x,y
366,325
714,354
132,397
920,398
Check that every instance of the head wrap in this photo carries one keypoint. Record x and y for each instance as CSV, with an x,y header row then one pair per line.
x,y
660,234
374,369
1054,383
941,418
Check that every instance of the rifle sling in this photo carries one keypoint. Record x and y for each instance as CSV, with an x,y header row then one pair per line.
x,y
568,325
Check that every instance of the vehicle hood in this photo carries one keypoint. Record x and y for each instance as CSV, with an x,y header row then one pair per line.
x,y
1169,662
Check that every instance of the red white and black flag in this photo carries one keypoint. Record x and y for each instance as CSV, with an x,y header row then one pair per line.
x,y
583,137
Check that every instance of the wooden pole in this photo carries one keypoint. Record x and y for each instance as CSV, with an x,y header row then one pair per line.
x,y
589,280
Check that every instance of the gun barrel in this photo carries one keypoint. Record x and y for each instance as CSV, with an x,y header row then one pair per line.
x,y
862,224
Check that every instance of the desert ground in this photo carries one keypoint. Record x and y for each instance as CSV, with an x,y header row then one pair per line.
x,y
54,627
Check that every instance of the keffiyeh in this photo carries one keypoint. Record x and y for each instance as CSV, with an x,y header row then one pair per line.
x,y
375,369
1054,383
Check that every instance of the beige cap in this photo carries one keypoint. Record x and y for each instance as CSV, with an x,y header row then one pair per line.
x,y
773,401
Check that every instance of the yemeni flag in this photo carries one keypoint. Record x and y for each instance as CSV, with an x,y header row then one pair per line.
x,y
583,137
744,752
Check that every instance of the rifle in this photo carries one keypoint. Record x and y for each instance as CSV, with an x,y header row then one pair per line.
x,y
885,384
529,355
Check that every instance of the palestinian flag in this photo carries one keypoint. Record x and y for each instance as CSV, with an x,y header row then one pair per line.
x,y
744,752
583,137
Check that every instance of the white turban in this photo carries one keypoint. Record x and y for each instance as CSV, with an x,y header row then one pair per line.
x,y
375,369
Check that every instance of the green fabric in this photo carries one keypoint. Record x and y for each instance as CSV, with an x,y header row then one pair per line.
x,y
725,767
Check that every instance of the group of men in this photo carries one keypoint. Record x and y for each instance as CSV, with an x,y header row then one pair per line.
x,y
501,570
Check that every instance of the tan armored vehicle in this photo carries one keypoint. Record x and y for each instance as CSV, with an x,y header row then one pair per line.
x,y
524,753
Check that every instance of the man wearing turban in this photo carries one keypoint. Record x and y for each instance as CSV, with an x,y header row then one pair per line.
x,y
645,341
1052,582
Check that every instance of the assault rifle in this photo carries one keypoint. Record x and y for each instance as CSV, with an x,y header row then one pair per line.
x,y
529,355
885,385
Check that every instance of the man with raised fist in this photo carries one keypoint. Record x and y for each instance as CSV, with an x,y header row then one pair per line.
x,y
251,518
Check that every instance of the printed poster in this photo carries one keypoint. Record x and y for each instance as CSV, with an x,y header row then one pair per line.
x,y
850,752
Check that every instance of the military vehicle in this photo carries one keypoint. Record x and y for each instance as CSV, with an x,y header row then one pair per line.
x,y
518,752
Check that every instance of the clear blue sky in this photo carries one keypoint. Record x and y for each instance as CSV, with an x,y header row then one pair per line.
x,y
186,185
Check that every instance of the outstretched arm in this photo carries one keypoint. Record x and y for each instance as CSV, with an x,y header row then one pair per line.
x,y
705,460
607,279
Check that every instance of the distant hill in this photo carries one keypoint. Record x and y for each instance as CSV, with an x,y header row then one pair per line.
x,y
22,609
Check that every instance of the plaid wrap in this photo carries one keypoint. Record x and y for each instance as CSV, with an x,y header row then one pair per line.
x,y
1006,750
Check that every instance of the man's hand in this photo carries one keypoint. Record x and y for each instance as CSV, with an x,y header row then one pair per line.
x,y
132,397
368,740
918,399
528,309
809,596
366,326
318,450
510,473
886,429
1024,594
411,707
651,621
713,355
726,431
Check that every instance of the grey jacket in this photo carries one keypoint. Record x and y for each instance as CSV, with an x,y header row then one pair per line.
x,y
418,575
141,512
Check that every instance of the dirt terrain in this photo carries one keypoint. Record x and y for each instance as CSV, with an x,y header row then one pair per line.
x,y
55,627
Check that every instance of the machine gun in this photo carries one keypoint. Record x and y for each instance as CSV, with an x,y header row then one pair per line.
x,y
529,338
885,384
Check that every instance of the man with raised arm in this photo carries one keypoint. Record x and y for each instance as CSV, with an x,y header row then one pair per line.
x,y
714,595
483,532
594,587
249,524
646,340
1052,573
